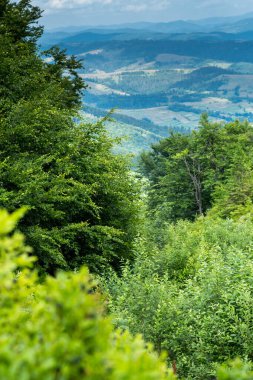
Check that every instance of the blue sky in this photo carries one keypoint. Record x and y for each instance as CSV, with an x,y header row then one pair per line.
x,y
105,12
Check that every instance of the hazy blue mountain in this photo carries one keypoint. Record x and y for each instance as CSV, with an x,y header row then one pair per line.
x,y
92,35
220,21
162,76
120,53
239,26
179,26
52,38
215,29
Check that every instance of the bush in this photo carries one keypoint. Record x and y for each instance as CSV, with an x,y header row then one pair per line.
x,y
235,370
57,329
194,298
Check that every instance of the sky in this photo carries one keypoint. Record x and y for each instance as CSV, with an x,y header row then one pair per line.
x,y
59,13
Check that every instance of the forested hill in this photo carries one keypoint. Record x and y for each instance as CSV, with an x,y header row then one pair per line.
x,y
106,273
163,76
233,51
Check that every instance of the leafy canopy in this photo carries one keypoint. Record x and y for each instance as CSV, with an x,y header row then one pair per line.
x,y
82,201
189,173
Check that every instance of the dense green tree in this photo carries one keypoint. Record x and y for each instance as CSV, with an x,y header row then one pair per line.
x,y
170,195
19,21
185,171
81,198
24,74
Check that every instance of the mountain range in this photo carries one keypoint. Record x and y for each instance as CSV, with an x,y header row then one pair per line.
x,y
162,76
234,24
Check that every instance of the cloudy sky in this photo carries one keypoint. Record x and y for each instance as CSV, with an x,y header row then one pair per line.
x,y
105,12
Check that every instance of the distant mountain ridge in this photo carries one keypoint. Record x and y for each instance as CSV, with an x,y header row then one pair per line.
x,y
162,76
235,24
210,29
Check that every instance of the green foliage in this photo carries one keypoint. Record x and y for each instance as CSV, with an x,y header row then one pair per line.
x,y
188,174
25,75
233,198
81,198
18,20
57,329
235,370
194,297
171,191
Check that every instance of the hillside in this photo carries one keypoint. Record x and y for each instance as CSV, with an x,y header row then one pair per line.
x,y
112,269
162,76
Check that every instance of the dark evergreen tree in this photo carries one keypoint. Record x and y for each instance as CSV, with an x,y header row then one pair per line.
x,y
80,197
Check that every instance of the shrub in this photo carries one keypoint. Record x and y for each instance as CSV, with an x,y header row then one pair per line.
x,y
194,298
235,370
57,329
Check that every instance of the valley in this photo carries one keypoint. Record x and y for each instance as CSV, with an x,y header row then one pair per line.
x,y
160,78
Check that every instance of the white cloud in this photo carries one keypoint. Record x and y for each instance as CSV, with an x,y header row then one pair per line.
x,y
69,4
77,12
118,5
136,6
